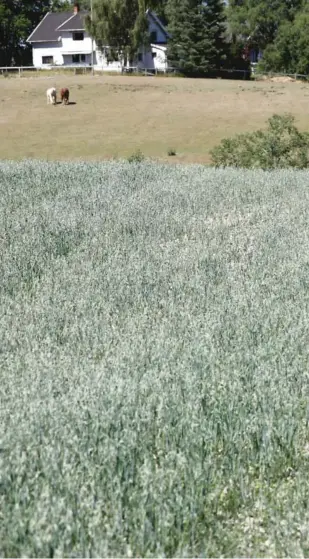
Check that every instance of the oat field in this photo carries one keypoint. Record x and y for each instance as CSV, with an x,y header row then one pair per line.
x,y
114,116
154,358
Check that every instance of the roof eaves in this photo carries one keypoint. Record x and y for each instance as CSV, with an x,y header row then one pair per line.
x,y
69,52
34,30
69,29
46,41
159,46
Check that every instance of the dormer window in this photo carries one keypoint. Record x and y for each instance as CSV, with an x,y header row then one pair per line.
x,y
78,36
153,37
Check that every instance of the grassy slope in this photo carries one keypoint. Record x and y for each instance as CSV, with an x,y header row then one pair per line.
x,y
154,361
116,115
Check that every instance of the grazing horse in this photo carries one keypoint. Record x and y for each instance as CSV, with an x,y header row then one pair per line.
x,y
65,94
51,95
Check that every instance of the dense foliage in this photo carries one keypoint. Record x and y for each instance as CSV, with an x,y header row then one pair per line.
x,y
154,361
204,35
290,50
280,145
197,30
197,44
17,21
260,20
278,28
122,26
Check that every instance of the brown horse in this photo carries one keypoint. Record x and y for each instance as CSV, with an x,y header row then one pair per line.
x,y
65,94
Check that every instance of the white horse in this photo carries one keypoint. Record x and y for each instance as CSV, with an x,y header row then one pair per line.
x,y
51,95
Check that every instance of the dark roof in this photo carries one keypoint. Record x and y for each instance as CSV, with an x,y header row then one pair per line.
x,y
49,30
76,22
157,21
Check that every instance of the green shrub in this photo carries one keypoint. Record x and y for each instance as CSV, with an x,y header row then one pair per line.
x,y
171,152
136,157
281,145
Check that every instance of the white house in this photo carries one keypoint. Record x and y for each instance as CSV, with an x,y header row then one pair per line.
x,y
61,39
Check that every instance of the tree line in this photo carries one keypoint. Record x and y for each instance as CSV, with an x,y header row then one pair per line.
x,y
279,28
197,30
205,35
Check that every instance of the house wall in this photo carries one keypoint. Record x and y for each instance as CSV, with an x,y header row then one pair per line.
x,y
46,49
157,62
63,50
68,61
255,55
68,45
56,51
101,63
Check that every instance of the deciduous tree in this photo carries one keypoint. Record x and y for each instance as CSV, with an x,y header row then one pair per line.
x,y
259,20
290,50
119,24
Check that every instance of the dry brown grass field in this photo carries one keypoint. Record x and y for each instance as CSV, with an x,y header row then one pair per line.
x,y
113,116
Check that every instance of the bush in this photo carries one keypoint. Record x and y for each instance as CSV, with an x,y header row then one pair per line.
x,y
136,157
281,145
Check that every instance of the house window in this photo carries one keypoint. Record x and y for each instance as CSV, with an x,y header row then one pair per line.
x,y
77,58
47,59
140,57
153,37
78,36
154,54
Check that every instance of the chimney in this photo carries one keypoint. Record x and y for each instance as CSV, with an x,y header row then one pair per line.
x,y
76,8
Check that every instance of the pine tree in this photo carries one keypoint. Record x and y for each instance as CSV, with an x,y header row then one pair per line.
x,y
215,22
197,42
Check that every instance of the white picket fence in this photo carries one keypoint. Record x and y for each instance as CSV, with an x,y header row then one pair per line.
x,y
4,70
256,74
79,69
